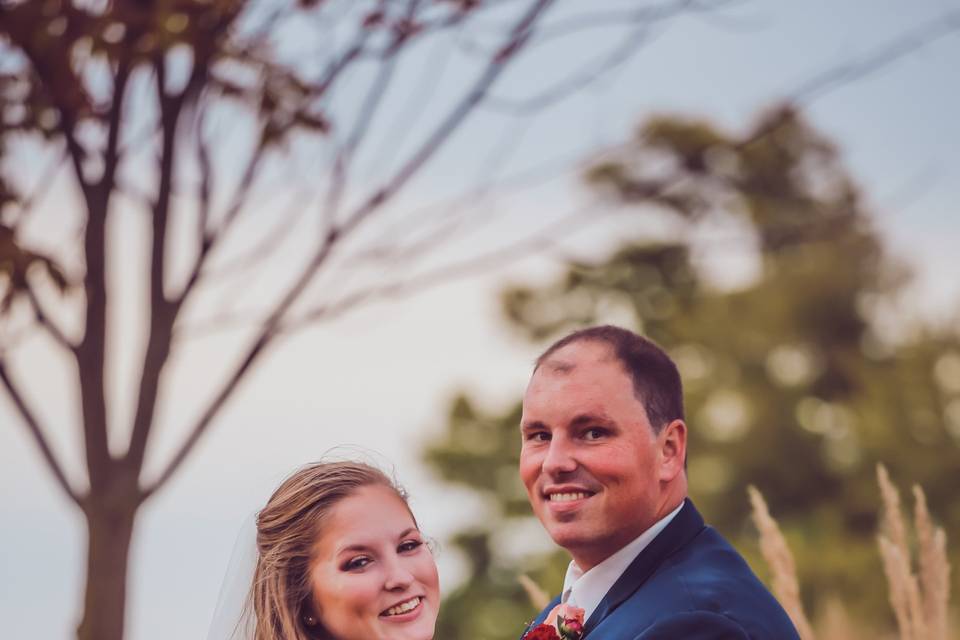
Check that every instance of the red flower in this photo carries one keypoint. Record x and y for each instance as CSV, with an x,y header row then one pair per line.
x,y
542,632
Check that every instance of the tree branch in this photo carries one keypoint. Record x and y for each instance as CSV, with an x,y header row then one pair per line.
x,y
33,426
206,179
267,244
40,189
589,73
338,180
47,323
209,241
522,248
162,312
111,156
90,354
880,58
519,35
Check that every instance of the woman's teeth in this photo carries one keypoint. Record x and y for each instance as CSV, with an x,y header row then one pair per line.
x,y
404,607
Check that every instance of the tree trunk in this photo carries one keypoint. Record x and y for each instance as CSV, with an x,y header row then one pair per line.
x,y
109,530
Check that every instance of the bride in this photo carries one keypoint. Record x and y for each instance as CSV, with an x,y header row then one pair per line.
x,y
339,556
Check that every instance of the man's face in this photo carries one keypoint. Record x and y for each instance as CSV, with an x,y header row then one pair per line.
x,y
590,461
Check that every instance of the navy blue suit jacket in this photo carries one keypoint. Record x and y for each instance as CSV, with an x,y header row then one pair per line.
x,y
687,584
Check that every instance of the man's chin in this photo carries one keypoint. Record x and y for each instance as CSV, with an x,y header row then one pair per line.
x,y
570,535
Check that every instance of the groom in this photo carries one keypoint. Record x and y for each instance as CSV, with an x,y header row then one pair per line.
x,y
604,464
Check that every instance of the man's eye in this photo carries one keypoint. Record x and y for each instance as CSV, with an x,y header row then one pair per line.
x,y
538,436
409,545
594,434
357,563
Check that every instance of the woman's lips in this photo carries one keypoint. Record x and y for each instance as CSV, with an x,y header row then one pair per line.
x,y
404,611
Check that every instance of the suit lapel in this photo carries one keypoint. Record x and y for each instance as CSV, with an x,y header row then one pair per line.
x,y
681,530
540,619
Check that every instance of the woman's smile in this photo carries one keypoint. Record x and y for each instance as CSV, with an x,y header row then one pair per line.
x,y
373,576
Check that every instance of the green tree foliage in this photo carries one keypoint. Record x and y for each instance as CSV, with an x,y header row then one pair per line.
x,y
794,381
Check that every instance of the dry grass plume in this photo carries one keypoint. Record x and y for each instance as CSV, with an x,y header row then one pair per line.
x,y
538,597
934,567
775,551
920,599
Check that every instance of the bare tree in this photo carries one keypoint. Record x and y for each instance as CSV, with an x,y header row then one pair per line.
x,y
185,113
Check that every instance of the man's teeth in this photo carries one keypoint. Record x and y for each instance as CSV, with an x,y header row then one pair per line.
x,y
567,497
404,607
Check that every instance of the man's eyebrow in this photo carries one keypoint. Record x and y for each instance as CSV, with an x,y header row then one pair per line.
x,y
580,420
591,418
532,426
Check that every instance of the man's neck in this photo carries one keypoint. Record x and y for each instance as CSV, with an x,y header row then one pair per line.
x,y
588,557
585,588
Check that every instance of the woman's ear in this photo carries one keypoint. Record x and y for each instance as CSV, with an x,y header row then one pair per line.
x,y
310,614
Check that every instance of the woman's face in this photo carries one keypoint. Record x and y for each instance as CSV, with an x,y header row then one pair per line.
x,y
373,577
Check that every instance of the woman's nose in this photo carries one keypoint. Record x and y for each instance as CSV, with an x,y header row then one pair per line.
x,y
398,576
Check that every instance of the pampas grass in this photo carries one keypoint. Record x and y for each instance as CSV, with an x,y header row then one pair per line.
x,y
537,596
775,551
919,600
904,591
934,568
835,622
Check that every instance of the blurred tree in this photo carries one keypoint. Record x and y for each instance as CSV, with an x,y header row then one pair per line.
x,y
794,379
175,119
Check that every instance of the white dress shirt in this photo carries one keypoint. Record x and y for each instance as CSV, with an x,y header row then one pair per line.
x,y
587,589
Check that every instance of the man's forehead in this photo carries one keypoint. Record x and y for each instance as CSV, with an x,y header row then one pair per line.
x,y
558,366
578,354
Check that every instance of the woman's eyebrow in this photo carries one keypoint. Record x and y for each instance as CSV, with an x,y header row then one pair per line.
x,y
407,532
359,546
353,547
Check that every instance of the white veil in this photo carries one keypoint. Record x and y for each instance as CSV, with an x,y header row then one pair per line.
x,y
233,618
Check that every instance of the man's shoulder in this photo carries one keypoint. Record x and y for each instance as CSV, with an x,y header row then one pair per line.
x,y
708,559
707,582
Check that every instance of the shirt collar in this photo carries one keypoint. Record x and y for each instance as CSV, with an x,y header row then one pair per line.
x,y
585,589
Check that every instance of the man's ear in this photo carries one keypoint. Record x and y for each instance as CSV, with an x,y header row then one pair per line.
x,y
673,450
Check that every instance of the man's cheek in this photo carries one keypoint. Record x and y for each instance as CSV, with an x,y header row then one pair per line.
x,y
527,485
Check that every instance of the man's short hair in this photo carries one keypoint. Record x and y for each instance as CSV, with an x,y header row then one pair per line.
x,y
656,380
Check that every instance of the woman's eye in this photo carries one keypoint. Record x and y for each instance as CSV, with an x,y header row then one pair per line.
x,y
356,563
409,545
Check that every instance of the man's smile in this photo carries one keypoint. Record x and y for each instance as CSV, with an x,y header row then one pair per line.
x,y
567,497
562,499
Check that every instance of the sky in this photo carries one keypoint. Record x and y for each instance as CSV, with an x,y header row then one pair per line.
x,y
377,381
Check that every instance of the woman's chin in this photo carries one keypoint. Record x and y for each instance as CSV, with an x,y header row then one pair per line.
x,y
419,629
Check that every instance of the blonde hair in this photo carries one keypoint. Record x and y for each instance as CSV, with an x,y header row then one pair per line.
x,y
287,529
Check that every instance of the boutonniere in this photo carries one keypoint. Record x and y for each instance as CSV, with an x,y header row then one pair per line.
x,y
564,622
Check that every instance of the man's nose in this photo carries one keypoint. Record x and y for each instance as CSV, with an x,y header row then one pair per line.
x,y
398,577
560,457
